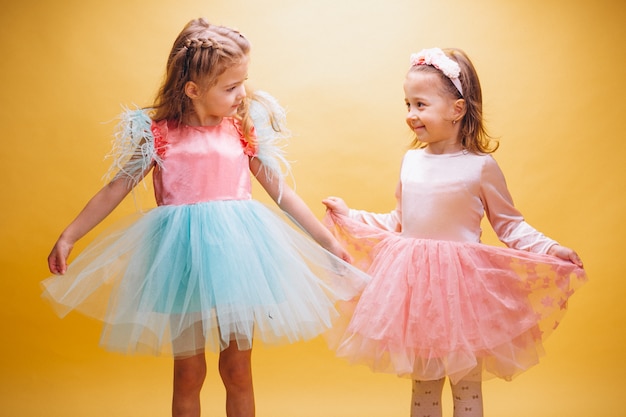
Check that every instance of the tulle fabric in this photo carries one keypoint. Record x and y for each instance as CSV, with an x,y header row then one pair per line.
x,y
181,279
458,309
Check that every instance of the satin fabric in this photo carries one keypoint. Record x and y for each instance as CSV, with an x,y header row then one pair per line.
x,y
201,163
445,197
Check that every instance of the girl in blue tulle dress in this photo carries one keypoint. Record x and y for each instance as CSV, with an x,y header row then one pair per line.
x,y
209,267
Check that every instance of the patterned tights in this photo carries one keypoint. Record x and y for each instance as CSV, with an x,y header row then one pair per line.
x,y
426,398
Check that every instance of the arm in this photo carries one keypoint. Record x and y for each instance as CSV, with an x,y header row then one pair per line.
x,y
508,222
292,204
387,221
134,154
96,210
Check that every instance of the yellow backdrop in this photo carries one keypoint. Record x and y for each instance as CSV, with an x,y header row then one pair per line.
x,y
554,88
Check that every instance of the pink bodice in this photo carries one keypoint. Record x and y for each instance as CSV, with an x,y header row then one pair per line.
x,y
444,197
201,163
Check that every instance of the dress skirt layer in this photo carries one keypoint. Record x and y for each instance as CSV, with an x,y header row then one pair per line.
x,y
458,309
183,278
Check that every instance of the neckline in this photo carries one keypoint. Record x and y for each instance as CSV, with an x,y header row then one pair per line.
x,y
444,155
202,127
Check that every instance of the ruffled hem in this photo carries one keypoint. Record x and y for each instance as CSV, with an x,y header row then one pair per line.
x,y
182,279
441,308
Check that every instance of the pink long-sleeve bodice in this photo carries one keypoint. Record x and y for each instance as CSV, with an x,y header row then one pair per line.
x,y
444,197
201,163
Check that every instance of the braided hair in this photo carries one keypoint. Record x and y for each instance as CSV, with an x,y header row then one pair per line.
x,y
200,53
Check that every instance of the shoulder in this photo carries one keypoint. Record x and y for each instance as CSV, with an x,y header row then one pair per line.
x,y
133,146
413,154
138,116
485,160
250,148
491,173
488,161
135,124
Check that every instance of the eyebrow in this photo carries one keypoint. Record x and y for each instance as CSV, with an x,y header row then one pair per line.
x,y
236,83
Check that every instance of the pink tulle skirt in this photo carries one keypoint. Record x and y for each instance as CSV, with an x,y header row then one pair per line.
x,y
457,309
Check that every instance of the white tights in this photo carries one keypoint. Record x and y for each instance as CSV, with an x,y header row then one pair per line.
x,y
426,398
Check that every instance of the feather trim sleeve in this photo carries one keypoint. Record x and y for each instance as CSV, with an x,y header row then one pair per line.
x,y
133,150
270,125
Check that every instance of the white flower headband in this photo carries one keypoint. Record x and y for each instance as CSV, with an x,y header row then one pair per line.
x,y
435,57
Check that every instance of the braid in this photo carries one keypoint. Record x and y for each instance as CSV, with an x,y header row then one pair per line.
x,y
201,56
200,53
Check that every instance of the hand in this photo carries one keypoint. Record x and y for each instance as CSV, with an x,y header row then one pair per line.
x,y
336,249
57,260
336,205
566,254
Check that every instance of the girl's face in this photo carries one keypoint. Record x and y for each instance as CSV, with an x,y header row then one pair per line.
x,y
221,99
431,112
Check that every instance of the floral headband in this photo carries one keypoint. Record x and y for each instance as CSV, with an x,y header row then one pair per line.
x,y
435,57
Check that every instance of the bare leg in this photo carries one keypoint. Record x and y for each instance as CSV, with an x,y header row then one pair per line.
x,y
236,371
189,375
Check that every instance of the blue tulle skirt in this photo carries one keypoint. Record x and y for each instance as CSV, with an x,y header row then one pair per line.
x,y
181,279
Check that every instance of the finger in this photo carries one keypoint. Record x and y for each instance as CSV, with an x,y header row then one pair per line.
x,y
52,266
329,205
57,265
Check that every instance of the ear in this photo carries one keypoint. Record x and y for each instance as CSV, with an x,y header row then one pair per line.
x,y
458,109
192,90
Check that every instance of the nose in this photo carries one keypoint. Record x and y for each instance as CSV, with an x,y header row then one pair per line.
x,y
241,93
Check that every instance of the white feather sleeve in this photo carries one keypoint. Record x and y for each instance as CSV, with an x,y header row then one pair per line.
x,y
133,149
270,124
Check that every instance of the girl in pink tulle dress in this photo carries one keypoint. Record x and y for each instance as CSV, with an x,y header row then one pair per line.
x,y
440,303
209,268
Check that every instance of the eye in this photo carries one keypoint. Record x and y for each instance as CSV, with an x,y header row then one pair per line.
x,y
233,87
417,105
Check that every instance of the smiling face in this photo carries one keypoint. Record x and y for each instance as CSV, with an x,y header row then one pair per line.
x,y
432,112
220,99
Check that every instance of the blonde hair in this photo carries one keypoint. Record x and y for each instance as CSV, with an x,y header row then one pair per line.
x,y
474,136
201,53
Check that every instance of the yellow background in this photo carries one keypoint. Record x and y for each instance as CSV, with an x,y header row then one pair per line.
x,y
553,80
